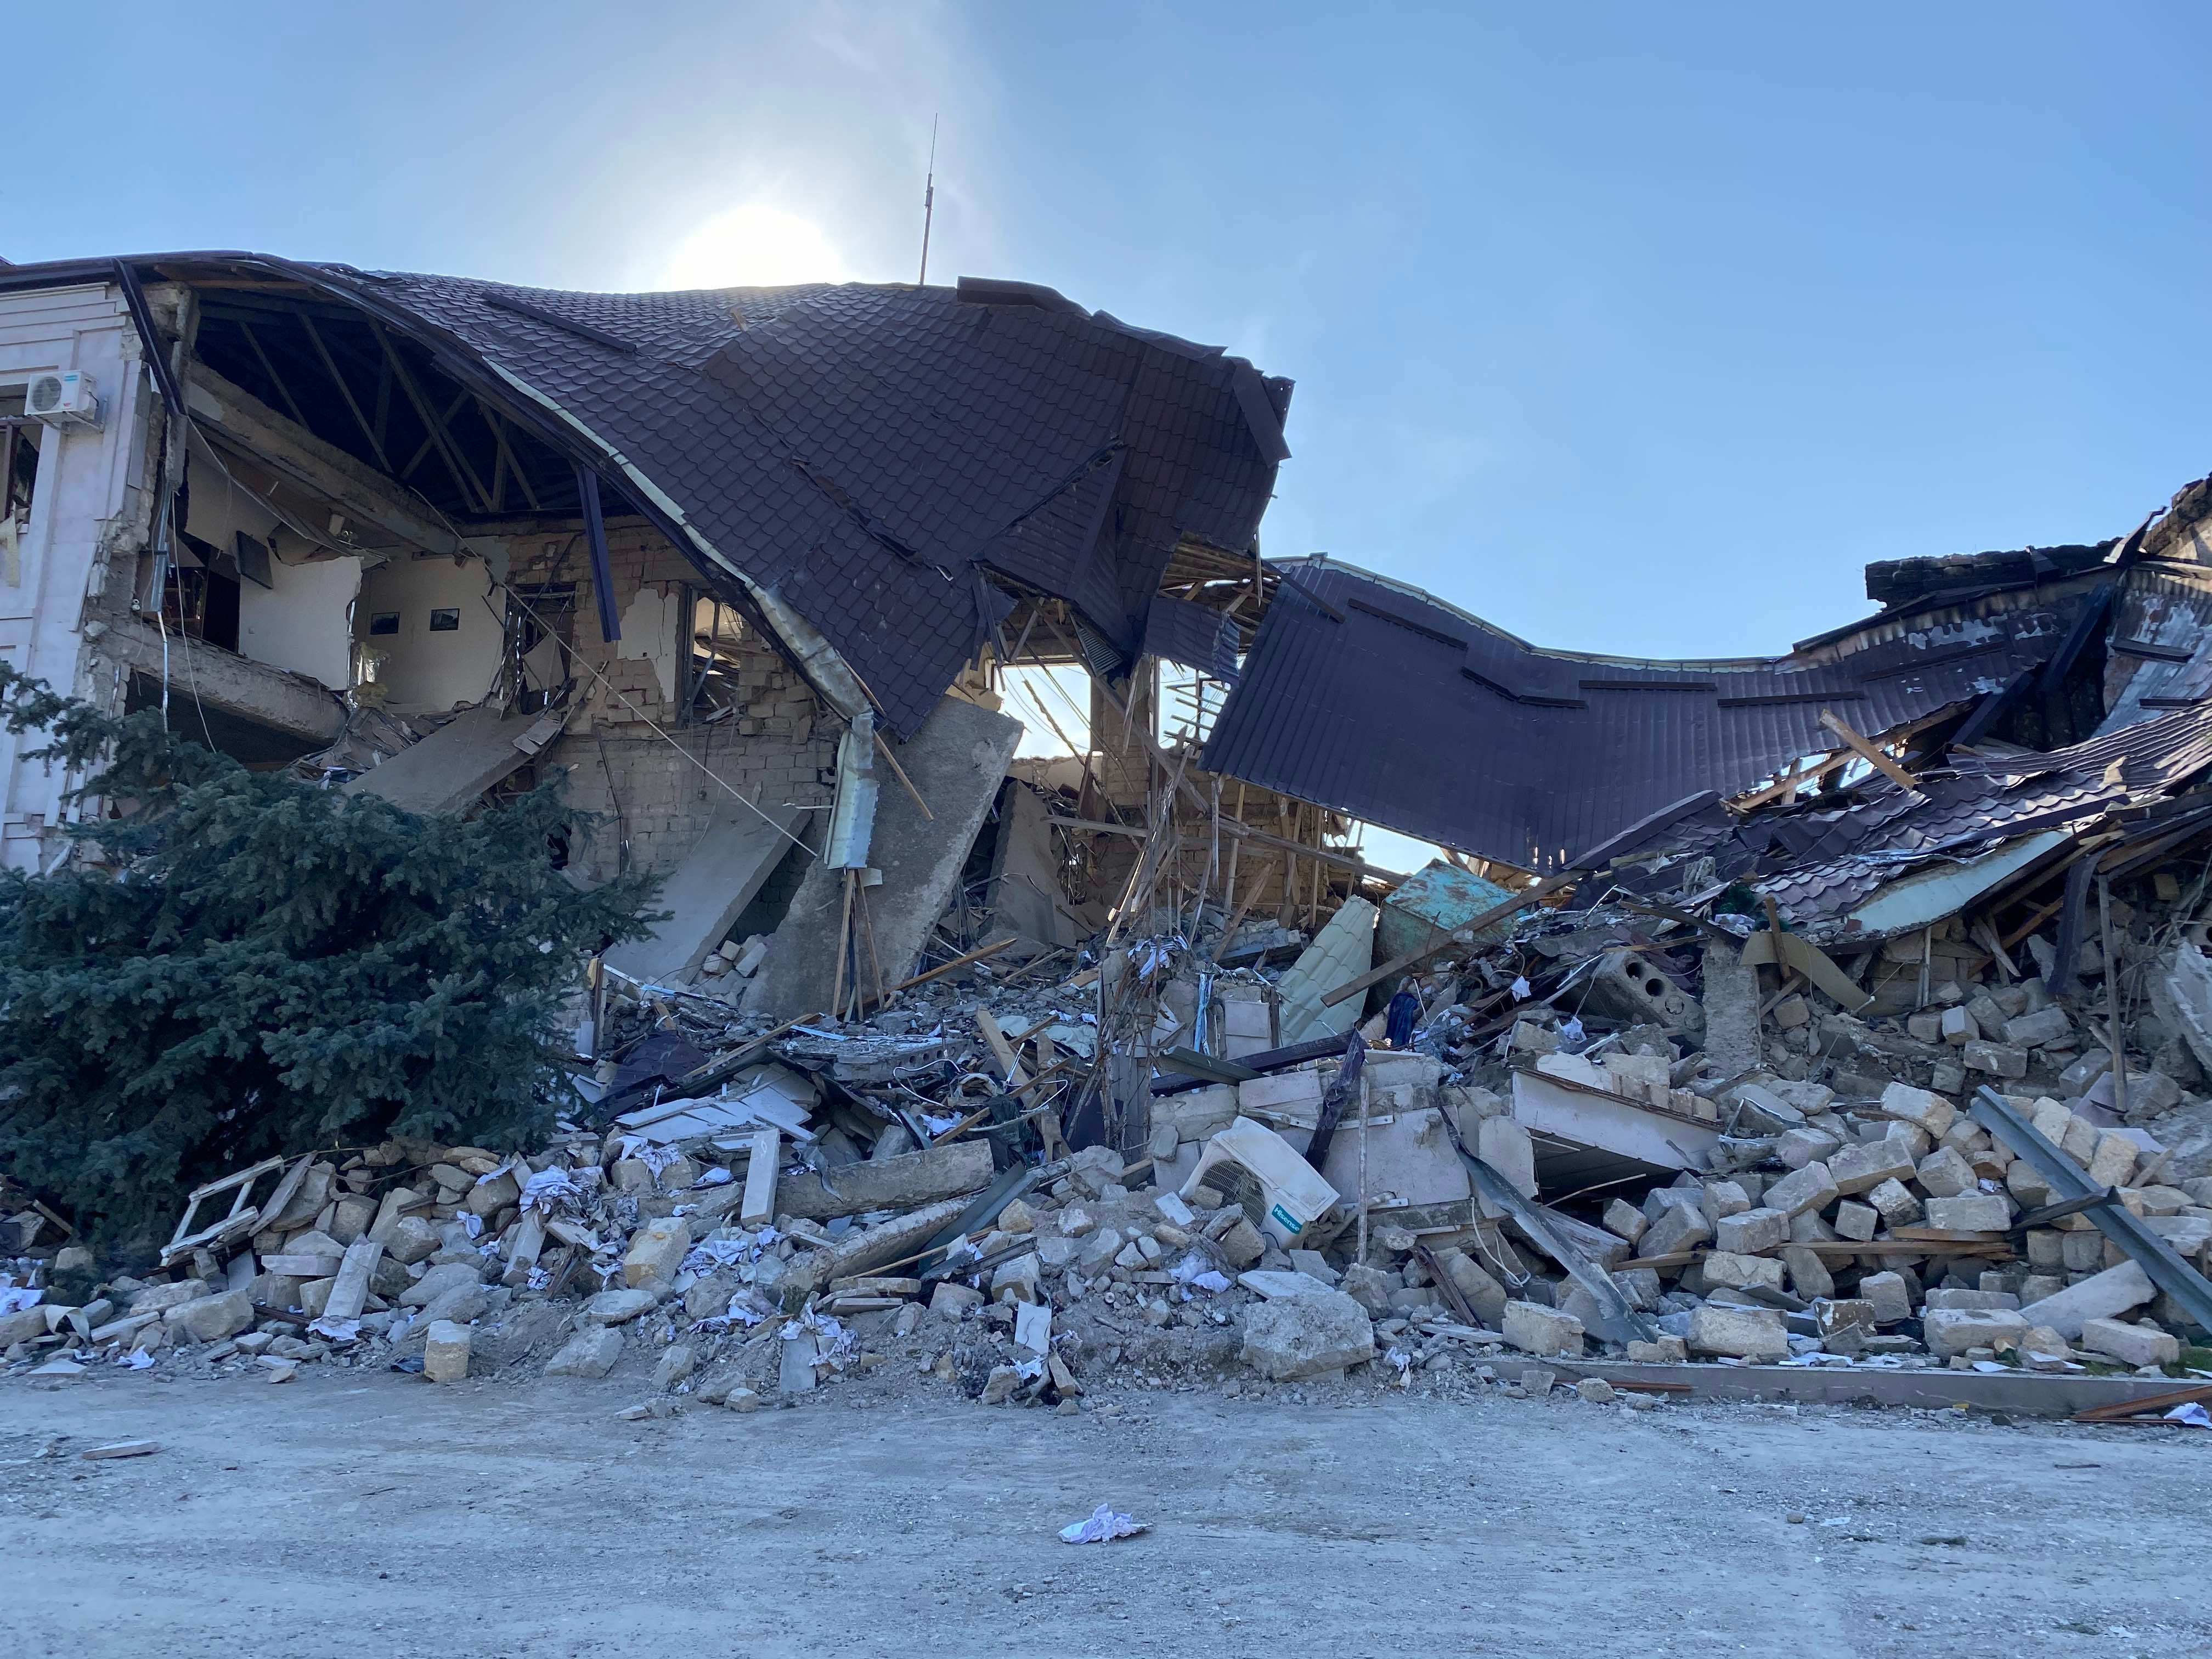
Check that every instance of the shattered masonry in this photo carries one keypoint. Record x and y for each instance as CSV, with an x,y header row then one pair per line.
x,y
1842,1018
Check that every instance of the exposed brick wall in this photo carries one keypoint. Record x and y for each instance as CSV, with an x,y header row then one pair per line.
x,y
781,747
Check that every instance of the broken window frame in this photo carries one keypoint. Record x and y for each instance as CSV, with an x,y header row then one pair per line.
x,y
705,669
535,613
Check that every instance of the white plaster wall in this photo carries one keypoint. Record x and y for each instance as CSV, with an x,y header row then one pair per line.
x,y
82,485
303,621
428,672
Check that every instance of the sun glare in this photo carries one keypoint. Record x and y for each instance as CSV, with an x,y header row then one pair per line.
x,y
756,246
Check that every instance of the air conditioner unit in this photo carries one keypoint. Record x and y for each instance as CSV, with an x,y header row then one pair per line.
x,y
65,398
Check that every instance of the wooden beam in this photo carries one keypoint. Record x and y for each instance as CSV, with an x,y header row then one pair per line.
x,y
1867,752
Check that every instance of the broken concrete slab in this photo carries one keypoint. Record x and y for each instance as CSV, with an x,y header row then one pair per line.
x,y
459,761
707,890
957,761
2100,1296
894,1183
1301,1336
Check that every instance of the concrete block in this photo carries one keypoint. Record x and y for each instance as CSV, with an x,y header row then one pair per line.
x,y
1753,1232
2131,1345
1738,1333
1856,1221
1307,1336
1862,1168
1018,1280
1984,1212
1678,1228
1959,1028
1723,1199
1540,1330
1987,1301
160,1298
590,1353
1949,1332
446,1351
618,1307
1473,1280
2100,1296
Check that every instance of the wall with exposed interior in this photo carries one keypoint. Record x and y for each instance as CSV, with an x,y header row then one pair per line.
x,y
418,672
302,621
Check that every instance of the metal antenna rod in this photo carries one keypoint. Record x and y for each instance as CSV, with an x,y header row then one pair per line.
x,y
928,204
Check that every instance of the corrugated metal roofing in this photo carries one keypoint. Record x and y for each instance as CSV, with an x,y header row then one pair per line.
x,y
1409,713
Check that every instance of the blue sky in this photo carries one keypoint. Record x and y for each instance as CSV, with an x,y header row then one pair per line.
x,y
1633,329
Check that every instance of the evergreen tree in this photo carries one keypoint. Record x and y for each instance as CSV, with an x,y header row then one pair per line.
x,y
231,964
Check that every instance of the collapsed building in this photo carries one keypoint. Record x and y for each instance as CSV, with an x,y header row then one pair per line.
x,y
1843,1009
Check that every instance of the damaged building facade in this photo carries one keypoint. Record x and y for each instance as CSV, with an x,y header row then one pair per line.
x,y
732,559
1844,1008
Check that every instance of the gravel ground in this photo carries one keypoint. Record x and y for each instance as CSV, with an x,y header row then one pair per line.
x,y
352,1512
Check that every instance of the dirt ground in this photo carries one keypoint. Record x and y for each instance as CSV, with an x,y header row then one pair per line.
x,y
362,1513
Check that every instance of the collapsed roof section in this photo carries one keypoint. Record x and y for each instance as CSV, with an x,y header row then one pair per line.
x,y
1374,698
864,458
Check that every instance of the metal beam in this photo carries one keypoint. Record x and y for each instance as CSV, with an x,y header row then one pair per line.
x,y
602,580
291,404
2160,1260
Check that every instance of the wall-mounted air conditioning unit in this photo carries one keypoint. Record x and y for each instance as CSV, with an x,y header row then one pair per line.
x,y
64,398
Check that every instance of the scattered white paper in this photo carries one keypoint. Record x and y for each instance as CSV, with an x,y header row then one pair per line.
x,y
2193,1413
1104,1526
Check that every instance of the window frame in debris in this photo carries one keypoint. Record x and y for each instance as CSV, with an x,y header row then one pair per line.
x,y
703,669
537,612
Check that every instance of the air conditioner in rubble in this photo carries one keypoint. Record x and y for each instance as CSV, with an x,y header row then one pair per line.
x,y
65,398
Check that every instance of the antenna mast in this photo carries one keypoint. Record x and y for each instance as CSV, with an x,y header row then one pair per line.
x,y
928,204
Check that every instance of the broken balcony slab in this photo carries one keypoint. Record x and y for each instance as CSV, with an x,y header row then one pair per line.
x,y
1585,1135
255,713
459,761
706,892
956,762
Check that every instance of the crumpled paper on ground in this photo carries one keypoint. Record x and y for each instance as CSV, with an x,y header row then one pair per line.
x,y
1104,1526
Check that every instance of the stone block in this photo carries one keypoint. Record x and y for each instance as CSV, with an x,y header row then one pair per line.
x,y
1973,1213
656,1251
1945,1174
1894,1203
618,1307
1678,1228
1809,1278
2040,1029
1540,1330
2113,1162
1018,1280
446,1351
1856,1221
1371,1287
1809,1188
1834,1315
1307,1336
1887,1295
439,1280
1862,1168
1723,1268
160,1298
590,1353
1949,1332
672,1367
1662,1350
1958,1027
409,1240
1797,1148
1929,1112
1940,1299
2131,1344
1724,1198
951,1300
1625,1220
1738,1333
1472,1279
211,1318
1753,1232
2100,1296
1997,1059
